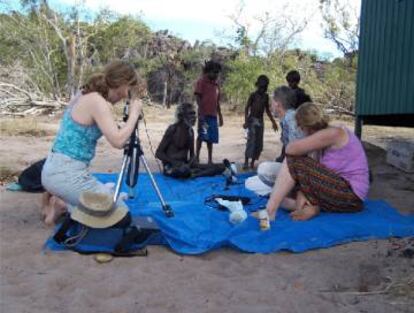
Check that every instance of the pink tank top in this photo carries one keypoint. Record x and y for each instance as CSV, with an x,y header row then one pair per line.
x,y
349,162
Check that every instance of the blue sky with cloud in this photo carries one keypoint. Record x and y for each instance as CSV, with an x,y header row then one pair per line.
x,y
209,20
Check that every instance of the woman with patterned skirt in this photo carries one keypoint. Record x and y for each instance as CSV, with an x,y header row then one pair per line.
x,y
338,181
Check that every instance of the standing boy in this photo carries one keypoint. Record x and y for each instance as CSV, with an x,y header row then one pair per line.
x,y
293,79
257,104
207,93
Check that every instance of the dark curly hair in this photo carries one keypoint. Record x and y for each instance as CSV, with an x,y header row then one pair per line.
x,y
293,76
211,66
262,80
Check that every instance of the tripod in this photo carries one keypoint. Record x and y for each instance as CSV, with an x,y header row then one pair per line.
x,y
133,154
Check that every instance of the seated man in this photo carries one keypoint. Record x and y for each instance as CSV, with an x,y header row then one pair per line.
x,y
176,149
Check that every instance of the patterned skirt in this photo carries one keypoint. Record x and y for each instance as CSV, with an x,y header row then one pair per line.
x,y
322,186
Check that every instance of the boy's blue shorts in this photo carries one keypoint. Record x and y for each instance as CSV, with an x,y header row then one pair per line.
x,y
208,129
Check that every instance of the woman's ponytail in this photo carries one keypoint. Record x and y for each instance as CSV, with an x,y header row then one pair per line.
x,y
114,75
96,83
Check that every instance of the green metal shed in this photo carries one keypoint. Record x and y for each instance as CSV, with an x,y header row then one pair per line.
x,y
385,78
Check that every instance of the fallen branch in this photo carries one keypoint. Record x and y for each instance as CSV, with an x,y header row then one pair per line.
x,y
337,109
16,101
17,88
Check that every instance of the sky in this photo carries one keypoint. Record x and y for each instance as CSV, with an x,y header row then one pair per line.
x,y
209,20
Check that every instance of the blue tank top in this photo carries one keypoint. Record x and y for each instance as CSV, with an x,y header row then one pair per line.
x,y
76,140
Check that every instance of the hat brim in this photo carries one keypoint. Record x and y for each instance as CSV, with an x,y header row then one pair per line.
x,y
256,185
99,222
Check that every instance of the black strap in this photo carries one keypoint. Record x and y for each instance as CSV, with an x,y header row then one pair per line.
x,y
61,234
244,200
211,200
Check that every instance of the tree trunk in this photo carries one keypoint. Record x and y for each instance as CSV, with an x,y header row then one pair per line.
x,y
165,94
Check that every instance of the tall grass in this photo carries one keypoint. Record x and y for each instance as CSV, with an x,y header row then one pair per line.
x,y
22,127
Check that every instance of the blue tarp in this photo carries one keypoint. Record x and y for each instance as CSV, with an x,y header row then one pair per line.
x,y
197,228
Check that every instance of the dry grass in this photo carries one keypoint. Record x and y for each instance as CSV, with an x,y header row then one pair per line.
x,y
403,289
156,114
7,174
22,127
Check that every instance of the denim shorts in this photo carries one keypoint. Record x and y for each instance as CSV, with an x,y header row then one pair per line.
x,y
208,129
67,178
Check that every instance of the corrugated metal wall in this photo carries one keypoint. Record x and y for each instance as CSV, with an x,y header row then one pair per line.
x,y
385,82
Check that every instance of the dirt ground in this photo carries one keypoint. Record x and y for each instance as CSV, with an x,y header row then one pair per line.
x,y
370,276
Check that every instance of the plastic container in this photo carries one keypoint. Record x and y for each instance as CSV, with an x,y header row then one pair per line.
x,y
401,155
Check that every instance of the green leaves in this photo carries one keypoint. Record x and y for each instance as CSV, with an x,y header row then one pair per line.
x,y
113,39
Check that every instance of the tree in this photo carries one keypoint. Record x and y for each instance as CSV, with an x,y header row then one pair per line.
x,y
125,37
341,22
31,40
339,86
239,82
267,32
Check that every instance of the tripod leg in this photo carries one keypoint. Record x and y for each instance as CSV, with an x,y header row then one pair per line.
x,y
167,209
120,178
133,169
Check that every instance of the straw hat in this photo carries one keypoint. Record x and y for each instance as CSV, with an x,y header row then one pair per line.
x,y
97,210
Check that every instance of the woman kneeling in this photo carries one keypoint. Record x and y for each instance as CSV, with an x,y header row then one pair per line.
x,y
336,181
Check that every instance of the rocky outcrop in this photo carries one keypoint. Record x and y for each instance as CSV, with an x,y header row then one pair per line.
x,y
178,65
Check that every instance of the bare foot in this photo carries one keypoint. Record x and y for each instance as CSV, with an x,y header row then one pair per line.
x,y
301,201
55,209
45,203
306,213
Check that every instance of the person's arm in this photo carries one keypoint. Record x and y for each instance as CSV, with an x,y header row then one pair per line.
x,y
220,116
269,114
198,92
317,141
102,114
166,140
193,158
247,110
198,99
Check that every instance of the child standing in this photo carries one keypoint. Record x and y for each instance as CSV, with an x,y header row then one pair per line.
x,y
257,104
207,93
293,80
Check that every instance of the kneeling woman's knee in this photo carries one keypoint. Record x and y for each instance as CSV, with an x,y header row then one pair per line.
x,y
300,165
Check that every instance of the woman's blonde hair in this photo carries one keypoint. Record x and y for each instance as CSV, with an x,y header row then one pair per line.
x,y
310,116
115,74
